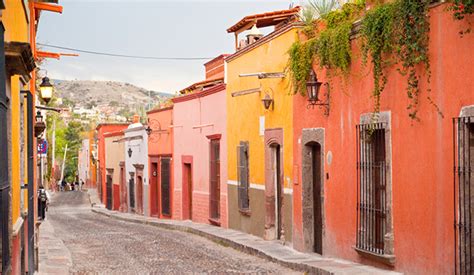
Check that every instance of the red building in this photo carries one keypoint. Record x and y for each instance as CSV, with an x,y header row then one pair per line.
x,y
160,154
380,190
101,130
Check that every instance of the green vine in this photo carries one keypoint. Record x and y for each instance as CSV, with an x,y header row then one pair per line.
x,y
376,32
300,63
460,9
394,32
333,43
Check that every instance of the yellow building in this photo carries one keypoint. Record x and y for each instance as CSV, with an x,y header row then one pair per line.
x,y
19,64
18,20
259,125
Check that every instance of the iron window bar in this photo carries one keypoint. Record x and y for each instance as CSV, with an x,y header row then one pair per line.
x,y
463,173
371,187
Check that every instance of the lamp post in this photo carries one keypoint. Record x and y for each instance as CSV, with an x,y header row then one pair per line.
x,y
313,88
46,89
130,152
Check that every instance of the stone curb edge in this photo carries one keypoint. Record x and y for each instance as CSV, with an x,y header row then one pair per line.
x,y
220,240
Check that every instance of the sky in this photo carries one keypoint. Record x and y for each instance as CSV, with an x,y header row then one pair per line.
x,y
177,28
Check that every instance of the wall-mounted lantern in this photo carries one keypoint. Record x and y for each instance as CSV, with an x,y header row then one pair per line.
x,y
46,89
313,88
130,152
148,130
267,101
40,126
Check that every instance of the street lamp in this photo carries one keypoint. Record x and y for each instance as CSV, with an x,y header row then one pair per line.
x,y
313,87
46,89
130,152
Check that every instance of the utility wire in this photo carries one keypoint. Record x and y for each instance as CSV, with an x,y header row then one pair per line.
x,y
124,55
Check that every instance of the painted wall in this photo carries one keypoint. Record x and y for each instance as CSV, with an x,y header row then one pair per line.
x,y
139,145
161,143
14,19
422,154
101,130
16,29
244,117
197,117
160,146
114,154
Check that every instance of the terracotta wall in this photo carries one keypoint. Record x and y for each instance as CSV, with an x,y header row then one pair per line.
x,y
422,153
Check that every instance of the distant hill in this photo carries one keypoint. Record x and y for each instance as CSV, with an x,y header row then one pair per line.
x,y
86,93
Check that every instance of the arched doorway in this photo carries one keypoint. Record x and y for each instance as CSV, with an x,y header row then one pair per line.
x,y
274,185
313,189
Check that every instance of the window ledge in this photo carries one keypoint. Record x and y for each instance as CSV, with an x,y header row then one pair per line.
x,y
215,221
245,212
386,259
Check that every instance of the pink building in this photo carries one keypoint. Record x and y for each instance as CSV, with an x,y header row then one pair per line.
x,y
200,150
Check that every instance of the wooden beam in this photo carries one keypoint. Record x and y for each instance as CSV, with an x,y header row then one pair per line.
x,y
246,92
47,7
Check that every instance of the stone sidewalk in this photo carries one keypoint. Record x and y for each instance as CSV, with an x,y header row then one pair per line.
x,y
273,251
54,257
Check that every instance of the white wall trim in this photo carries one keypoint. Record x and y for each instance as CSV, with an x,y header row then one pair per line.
x,y
259,186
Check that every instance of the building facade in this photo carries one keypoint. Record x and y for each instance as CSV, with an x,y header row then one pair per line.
x,y
160,153
115,171
260,127
100,132
380,189
200,156
136,167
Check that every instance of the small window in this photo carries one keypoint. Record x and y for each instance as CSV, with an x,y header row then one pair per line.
x,y
372,179
243,175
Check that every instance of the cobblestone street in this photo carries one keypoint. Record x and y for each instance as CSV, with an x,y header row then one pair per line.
x,y
102,245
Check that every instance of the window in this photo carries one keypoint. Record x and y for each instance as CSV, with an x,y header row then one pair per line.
x,y
464,194
243,175
372,191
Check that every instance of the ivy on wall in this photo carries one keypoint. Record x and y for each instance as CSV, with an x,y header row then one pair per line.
x,y
396,32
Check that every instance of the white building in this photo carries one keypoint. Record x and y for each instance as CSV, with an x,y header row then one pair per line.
x,y
136,167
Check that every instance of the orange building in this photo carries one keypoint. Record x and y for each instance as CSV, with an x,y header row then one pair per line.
x,y
381,190
160,154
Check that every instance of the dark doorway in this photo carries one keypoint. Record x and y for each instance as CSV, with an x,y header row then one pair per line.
x,y
109,192
187,191
214,184
276,165
317,201
131,191
154,190
165,186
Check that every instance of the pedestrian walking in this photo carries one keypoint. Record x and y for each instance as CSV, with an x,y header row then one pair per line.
x,y
63,185
43,201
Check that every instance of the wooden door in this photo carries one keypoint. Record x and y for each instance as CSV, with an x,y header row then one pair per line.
x,y
154,195
214,180
139,195
317,200
187,191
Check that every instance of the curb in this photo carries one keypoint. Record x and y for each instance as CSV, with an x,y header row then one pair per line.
x,y
219,240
